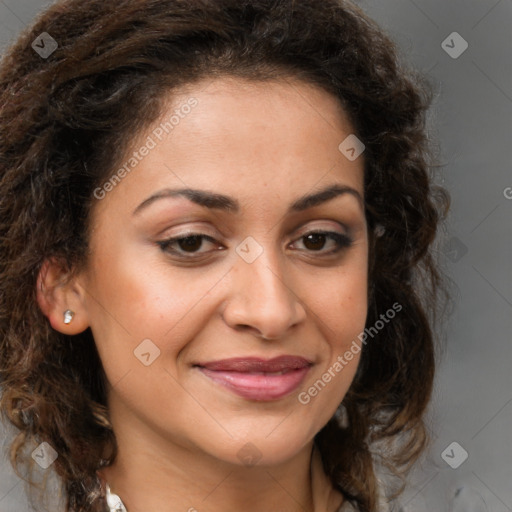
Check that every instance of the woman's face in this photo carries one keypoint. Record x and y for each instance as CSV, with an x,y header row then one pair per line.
x,y
186,329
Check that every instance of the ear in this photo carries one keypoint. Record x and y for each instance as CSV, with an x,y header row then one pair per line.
x,y
57,291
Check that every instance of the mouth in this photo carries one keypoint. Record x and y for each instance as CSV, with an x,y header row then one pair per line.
x,y
258,379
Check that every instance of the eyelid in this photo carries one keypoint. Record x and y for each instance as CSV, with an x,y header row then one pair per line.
x,y
194,231
321,226
298,232
341,241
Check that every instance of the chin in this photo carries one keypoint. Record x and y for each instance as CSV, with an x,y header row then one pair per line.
x,y
257,449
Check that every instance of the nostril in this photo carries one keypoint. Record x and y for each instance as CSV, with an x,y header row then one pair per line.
x,y
254,330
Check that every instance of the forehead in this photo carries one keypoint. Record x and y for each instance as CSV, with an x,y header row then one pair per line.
x,y
280,112
245,139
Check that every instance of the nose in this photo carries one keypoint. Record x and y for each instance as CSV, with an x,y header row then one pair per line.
x,y
260,301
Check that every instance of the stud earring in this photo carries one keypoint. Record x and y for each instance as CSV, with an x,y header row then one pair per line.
x,y
68,316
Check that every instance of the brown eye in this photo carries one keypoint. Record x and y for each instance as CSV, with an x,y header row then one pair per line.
x,y
315,241
189,244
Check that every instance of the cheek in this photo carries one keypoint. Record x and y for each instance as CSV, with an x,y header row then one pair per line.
x,y
131,289
343,306
167,306
343,312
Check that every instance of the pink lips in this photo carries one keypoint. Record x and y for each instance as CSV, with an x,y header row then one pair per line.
x,y
258,379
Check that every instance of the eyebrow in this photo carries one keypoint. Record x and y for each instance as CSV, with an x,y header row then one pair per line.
x,y
225,203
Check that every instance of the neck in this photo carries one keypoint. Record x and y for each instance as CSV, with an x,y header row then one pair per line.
x,y
180,479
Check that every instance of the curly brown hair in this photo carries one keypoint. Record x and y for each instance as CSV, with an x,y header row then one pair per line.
x,y
61,117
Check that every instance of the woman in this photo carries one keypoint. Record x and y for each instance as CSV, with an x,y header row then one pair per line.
x,y
216,255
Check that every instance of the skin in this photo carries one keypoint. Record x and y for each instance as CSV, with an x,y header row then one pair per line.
x,y
179,433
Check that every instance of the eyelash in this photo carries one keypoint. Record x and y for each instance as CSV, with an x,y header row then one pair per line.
x,y
342,242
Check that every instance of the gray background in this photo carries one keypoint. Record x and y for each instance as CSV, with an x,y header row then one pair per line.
x,y
471,122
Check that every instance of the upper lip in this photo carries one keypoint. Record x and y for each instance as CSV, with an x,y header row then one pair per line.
x,y
256,364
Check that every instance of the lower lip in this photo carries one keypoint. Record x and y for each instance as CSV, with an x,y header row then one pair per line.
x,y
260,387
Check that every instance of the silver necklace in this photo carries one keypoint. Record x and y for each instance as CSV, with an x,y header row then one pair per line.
x,y
114,501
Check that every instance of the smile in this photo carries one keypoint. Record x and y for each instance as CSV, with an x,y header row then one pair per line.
x,y
258,379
